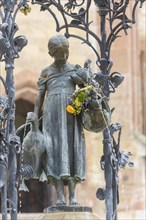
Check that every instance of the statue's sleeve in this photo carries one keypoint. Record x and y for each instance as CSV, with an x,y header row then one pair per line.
x,y
81,76
42,81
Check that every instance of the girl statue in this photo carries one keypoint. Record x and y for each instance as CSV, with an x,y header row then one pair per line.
x,y
64,163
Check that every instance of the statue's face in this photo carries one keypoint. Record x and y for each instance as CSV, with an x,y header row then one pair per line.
x,y
61,56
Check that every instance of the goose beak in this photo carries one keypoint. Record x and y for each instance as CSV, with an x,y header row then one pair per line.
x,y
28,120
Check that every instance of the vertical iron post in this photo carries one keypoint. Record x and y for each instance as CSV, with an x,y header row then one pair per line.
x,y
4,202
107,144
108,172
10,47
9,67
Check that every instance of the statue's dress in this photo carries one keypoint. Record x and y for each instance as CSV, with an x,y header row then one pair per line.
x,y
65,157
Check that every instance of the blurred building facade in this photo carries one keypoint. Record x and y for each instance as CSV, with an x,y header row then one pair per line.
x,y
129,58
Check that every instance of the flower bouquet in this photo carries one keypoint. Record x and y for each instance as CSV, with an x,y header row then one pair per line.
x,y
79,100
93,107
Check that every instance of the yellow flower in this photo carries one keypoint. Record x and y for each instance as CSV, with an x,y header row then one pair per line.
x,y
70,109
25,10
86,88
77,102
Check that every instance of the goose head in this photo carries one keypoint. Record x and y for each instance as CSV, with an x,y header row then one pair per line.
x,y
31,117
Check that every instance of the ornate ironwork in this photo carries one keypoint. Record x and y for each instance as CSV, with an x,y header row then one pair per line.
x,y
75,14
10,46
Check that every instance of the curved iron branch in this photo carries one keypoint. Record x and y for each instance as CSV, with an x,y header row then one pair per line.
x,y
79,18
115,36
51,12
74,15
75,4
123,25
134,11
119,27
4,84
1,14
15,13
85,41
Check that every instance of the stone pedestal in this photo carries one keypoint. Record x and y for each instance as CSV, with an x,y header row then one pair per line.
x,y
67,208
70,216
56,216
64,212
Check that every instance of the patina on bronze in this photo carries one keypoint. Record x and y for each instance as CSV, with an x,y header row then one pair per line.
x,y
65,158
61,145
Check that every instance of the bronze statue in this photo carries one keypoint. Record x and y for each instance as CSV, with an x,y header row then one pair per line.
x,y
64,163
58,153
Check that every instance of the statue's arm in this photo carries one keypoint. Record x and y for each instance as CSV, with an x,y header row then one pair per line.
x,y
39,101
83,76
41,93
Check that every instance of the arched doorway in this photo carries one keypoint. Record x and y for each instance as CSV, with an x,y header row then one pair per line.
x,y
22,107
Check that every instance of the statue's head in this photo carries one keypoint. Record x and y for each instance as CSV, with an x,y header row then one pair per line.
x,y
59,48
